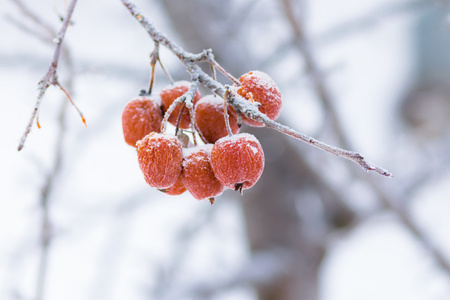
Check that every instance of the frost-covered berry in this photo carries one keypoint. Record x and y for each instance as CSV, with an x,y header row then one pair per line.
x,y
172,92
141,116
237,161
210,119
160,157
177,189
257,86
197,174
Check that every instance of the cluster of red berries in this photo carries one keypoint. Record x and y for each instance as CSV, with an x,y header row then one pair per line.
x,y
225,161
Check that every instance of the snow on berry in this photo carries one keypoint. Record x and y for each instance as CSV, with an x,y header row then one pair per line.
x,y
197,174
141,116
160,158
210,119
168,96
237,161
257,86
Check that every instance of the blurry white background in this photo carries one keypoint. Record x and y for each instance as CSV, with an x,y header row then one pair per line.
x,y
113,237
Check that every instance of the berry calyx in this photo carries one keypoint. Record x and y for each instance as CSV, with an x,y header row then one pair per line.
x,y
198,175
237,161
140,116
172,92
257,86
177,189
160,157
210,119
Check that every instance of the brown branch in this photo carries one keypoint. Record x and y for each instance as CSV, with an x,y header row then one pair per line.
x,y
50,77
241,105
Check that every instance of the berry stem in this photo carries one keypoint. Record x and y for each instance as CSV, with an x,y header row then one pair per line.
x,y
216,65
225,111
166,72
72,102
154,58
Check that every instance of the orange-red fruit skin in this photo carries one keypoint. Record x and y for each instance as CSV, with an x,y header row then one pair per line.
x,y
259,87
210,119
197,174
160,158
140,116
177,189
172,92
237,161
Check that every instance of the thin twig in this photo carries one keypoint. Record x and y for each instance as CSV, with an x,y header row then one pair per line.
x,y
34,18
50,77
240,105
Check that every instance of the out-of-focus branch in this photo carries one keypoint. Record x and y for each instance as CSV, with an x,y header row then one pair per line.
x,y
50,77
387,199
367,21
241,105
30,15
355,26
315,73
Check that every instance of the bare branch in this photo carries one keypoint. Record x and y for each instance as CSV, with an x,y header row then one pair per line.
x,y
50,77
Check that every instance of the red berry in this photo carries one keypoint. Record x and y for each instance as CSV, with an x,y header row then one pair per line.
x,y
177,189
197,174
237,161
210,119
140,116
172,92
160,157
257,86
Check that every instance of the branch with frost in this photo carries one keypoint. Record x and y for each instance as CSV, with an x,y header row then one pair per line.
x,y
241,105
51,77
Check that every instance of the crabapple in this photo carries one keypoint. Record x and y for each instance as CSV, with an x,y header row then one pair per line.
x,y
160,158
257,86
168,96
177,189
141,116
197,174
210,119
237,161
